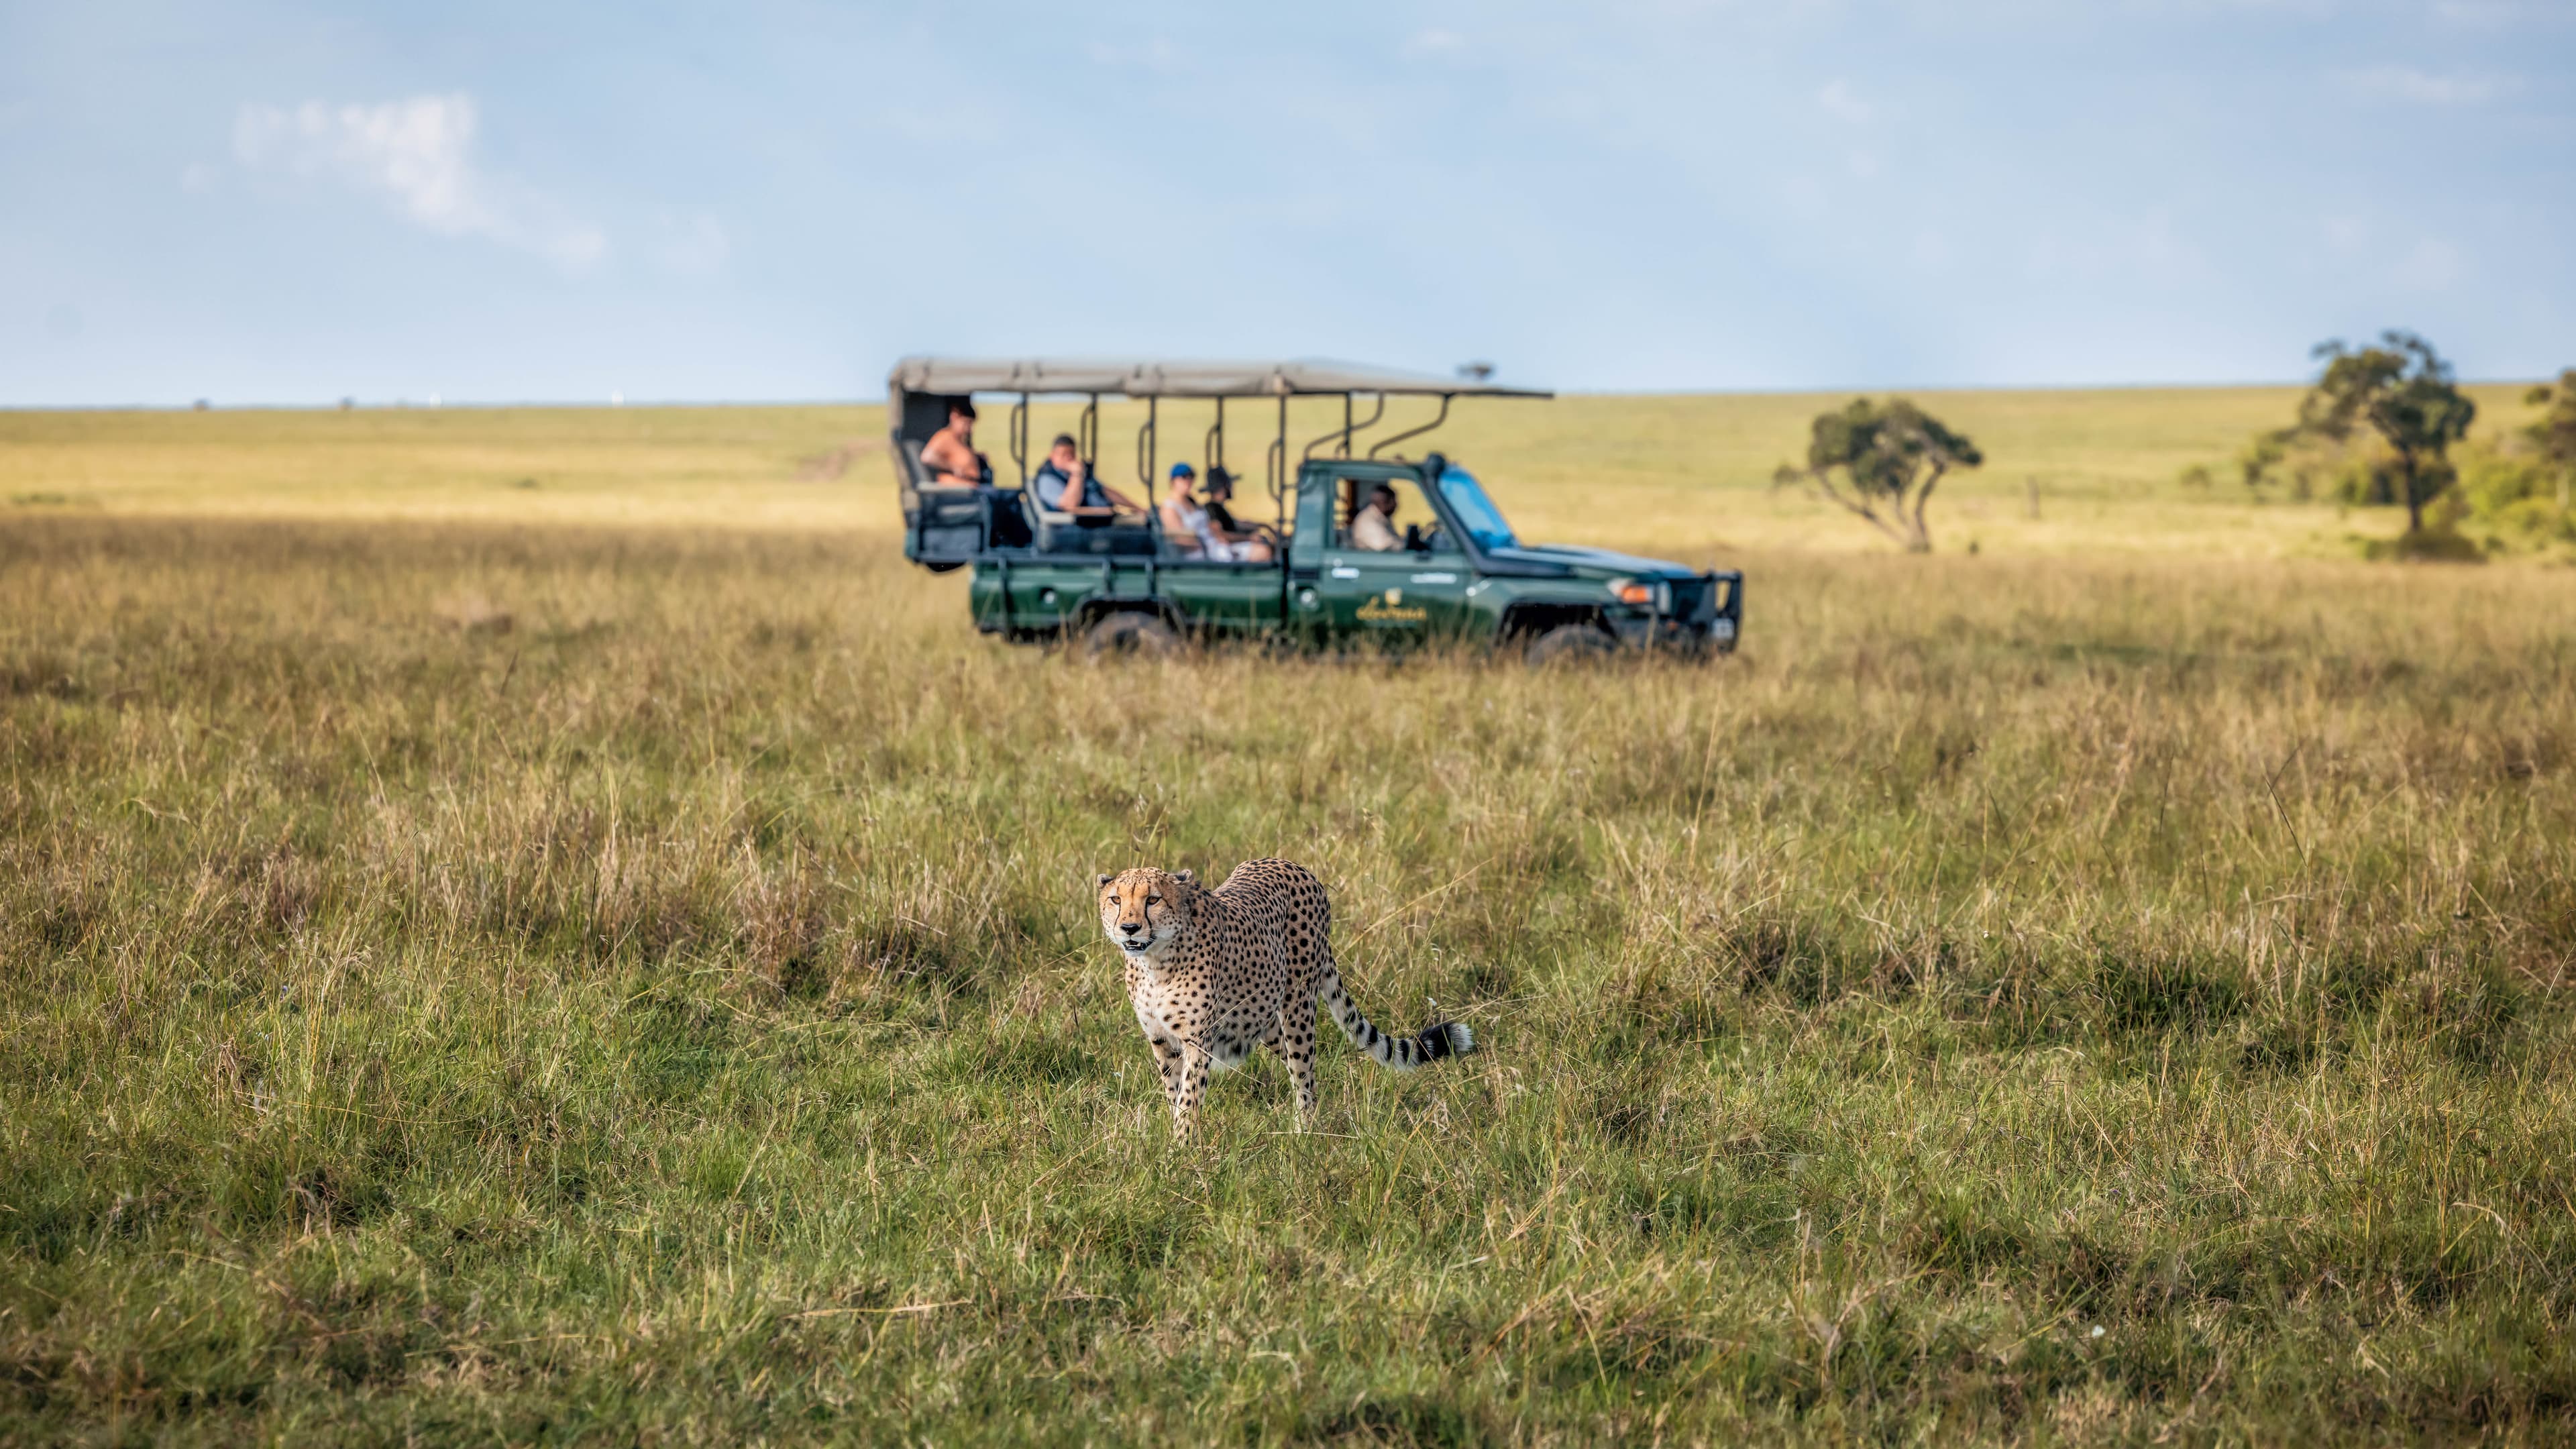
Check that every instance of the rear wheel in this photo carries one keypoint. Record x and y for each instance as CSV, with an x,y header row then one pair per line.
x,y
1136,636
1571,642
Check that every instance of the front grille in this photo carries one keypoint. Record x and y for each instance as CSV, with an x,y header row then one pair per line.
x,y
1694,600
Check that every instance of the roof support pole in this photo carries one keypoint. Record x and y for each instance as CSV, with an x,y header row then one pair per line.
x,y
1275,466
1383,444
1340,437
1019,433
1147,438
1087,431
1214,447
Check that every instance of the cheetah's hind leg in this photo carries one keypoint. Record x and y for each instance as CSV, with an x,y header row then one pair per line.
x,y
1297,1047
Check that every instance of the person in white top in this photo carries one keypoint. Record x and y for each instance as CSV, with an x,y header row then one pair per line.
x,y
1189,529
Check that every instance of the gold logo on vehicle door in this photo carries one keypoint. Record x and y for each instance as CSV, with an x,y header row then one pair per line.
x,y
1388,608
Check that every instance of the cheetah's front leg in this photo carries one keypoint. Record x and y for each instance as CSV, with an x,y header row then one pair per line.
x,y
1195,1062
1167,1059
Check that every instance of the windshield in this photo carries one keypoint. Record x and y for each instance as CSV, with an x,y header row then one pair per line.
x,y
1476,512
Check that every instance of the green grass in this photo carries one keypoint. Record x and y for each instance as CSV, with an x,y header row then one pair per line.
x,y
477,981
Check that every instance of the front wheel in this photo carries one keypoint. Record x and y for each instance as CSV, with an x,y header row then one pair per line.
x,y
1568,643
1138,636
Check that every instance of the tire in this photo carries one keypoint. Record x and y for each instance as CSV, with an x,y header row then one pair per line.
x,y
943,566
1130,636
1570,644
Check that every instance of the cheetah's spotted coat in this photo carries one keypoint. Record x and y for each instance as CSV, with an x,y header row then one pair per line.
x,y
1214,973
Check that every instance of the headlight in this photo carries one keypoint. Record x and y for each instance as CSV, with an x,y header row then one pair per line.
x,y
1629,591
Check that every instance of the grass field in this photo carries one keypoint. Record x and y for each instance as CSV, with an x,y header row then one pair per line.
x,y
485,963
1691,472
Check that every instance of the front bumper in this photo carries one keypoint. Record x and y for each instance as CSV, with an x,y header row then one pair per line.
x,y
1697,615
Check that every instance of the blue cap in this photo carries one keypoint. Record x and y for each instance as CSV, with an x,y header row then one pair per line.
x,y
1184,470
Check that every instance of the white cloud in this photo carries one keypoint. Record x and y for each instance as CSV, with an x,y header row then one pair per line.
x,y
2347,233
1844,104
198,178
2406,83
418,155
1435,42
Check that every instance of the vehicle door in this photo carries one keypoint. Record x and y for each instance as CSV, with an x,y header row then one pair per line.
x,y
1412,594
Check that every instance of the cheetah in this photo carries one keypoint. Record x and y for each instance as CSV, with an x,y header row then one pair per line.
x,y
1214,973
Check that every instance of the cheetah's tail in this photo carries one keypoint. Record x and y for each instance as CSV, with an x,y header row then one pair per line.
x,y
1446,1039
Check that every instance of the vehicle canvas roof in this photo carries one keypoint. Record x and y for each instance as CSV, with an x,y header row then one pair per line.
x,y
1117,377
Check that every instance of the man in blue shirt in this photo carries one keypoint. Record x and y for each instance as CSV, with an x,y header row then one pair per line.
x,y
1065,485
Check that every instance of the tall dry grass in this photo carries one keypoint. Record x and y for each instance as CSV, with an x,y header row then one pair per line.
x,y
471,982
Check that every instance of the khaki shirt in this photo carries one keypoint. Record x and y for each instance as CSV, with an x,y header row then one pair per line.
x,y
1371,531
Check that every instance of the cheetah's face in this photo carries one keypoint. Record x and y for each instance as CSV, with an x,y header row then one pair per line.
x,y
1141,910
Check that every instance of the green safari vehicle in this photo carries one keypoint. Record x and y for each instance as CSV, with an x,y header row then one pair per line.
x,y
1456,573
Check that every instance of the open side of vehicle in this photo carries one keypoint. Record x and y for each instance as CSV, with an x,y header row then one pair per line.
x,y
1456,572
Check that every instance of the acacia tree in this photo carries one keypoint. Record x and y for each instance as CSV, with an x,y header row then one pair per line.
x,y
2555,433
1889,460
2404,390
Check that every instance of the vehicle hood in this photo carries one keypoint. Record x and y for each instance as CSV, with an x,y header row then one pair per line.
x,y
1595,562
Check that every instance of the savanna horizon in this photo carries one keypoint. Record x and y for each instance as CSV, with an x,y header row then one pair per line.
x,y
616,957
2068,470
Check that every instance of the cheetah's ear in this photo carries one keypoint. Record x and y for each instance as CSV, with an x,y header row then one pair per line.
x,y
1185,877
1106,879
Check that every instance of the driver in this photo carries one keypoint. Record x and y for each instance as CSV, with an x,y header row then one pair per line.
x,y
950,454
1065,485
1373,527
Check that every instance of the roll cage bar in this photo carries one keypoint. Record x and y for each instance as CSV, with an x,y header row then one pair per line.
x,y
938,380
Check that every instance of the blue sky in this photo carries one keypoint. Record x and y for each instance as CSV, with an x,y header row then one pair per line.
x,y
290,203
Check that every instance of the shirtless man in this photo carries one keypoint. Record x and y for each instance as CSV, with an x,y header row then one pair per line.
x,y
950,455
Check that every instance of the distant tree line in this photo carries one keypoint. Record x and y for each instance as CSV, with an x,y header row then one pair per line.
x,y
2378,426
